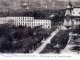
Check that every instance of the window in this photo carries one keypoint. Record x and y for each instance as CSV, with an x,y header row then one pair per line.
x,y
34,23
28,23
19,23
76,10
25,20
76,20
73,12
28,17
48,27
32,18
46,23
23,23
39,23
79,12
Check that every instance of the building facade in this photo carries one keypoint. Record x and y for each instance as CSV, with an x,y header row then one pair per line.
x,y
2,20
45,23
72,16
68,15
76,15
26,21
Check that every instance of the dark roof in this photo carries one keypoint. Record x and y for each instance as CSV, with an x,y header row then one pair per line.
x,y
78,6
75,17
18,16
42,19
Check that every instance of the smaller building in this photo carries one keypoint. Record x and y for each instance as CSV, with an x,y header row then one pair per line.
x,y
45,23
76,15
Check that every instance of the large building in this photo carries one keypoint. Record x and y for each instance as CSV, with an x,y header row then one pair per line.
x,y
26,21
72,16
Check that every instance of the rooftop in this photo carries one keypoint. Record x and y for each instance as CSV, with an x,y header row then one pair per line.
x,y
78,6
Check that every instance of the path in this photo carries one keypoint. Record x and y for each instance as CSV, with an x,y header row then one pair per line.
x,y
39,49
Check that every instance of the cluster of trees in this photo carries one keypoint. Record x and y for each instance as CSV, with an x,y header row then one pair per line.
x,y
20,39
38,13
62,42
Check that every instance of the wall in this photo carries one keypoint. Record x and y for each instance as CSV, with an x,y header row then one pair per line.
x,y
26,21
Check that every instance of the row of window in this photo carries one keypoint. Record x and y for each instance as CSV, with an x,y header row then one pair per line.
x,y
78,20
34,26
42,20
75,12
21,17
33,20
32,23
25,20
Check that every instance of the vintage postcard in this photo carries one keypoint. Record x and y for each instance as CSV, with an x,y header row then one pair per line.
x,y
40,29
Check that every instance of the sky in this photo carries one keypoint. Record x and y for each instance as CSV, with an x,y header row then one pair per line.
x,y
51,4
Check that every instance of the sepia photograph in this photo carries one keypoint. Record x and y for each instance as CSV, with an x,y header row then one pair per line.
x,y
40,26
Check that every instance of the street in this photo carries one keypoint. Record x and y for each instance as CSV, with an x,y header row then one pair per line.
x,y
58,42
46,42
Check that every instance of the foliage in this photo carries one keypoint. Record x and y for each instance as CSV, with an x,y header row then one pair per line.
x,y
20,39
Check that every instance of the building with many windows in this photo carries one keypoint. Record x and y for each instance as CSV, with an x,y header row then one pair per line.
x,y
72,16
26,21
2,20
45,23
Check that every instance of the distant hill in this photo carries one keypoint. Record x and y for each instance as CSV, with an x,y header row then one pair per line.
x,y
35,4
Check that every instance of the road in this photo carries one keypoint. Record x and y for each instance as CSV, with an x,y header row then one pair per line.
x,y
58,42
46,42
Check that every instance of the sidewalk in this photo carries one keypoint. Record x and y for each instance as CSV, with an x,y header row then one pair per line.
x,y
68,51
46,42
